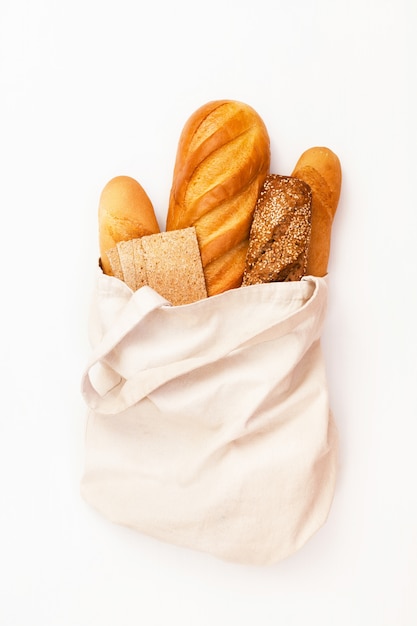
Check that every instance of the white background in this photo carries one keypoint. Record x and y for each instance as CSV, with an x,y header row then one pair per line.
x,y
90,90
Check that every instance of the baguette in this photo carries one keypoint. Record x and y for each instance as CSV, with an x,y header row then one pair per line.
x,y
125,212
222,161
280,232
320,168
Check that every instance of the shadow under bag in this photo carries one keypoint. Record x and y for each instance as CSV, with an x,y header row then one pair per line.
x,y
209,424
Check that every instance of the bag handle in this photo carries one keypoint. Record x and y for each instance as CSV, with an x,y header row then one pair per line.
x,y
99,379
106,391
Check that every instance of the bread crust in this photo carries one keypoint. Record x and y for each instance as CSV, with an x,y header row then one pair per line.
x,y
125,212
222,160
320,168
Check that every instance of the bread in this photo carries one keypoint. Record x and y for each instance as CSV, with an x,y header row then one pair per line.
x,y
168,262
222,161
125,212
320,168
280,232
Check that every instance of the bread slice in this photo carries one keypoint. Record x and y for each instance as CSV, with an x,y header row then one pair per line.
x,y
115,264
125,250
169,262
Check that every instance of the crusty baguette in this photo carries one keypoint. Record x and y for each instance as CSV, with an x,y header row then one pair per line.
x,y
280,233
125,212
320,168
222,160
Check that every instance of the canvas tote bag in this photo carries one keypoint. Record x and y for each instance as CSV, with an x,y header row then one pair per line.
x,y
209,424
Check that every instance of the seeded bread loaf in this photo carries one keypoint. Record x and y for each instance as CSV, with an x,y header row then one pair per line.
x,y
280,233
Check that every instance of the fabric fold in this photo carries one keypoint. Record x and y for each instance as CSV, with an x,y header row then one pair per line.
x,y
209,423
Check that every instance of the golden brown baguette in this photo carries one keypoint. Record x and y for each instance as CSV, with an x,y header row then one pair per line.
x,y
125,212
320,168
222,160
280,233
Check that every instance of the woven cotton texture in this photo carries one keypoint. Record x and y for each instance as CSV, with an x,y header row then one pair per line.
x,y
209,424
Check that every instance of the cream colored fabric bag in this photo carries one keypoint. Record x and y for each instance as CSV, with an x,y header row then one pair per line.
x,y
209,425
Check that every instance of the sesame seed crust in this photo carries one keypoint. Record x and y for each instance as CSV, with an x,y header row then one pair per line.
x,y
280,232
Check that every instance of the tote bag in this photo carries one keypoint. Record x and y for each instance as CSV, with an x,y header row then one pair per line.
x,y
209,424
